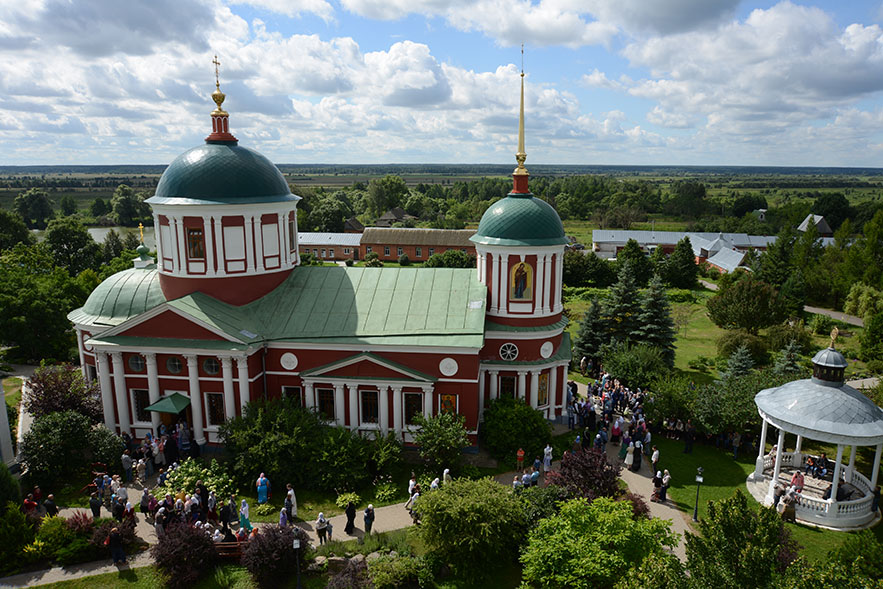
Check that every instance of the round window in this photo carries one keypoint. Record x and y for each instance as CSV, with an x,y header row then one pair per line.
x,y
136,363
211,365
508,351
174,365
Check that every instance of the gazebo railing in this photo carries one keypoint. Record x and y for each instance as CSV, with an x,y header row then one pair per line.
x,y
860,482
857,506
787,460
811,505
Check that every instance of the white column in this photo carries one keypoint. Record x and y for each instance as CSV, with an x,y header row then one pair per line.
x,y
778,467
559,268
222,249
479,260
876,469
119,387
181,246
309,395
851,468
397,410
836,481
383,407
758,464
547,286
481,378
354,405
427,401
82,357
229,396
540,290
339,415
209,247
195,399
259,243
494,286
152,388
494,383
522,384
554,392
249,244
534,388
283,239
244,394
157,232
7,456
106,391
504,283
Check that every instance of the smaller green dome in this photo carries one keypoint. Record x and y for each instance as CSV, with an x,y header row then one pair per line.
x,y
223,173
520,219
121,296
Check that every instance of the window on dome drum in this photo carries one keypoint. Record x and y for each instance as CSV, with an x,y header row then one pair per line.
x,y
292,236
418,253
326,403
294,394
386,250
211,366
369,407
507,386
140,400
195,244
215,404
136,363
174,365
413,406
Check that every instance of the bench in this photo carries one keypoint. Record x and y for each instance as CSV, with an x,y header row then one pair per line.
x,y
232,550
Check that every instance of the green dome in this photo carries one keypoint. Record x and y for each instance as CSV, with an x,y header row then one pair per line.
x,y
222,173
120,297
520,219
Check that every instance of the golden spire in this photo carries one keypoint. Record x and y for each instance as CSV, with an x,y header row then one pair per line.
x,y
217,95
520,156
834,333
141,230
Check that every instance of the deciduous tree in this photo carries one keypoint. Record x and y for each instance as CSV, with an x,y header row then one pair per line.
x,y
62,388
13,230
72,246
747,303
441,438
34,207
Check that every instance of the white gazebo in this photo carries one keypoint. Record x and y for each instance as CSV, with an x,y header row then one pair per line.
x,y
826,409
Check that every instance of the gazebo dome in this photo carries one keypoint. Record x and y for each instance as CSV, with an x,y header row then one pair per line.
x,y
830,358
221,173
119,297
519,220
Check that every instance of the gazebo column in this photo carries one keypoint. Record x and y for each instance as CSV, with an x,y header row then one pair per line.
x,y
777,468
836,482
797,461
851,468
758,464
876,470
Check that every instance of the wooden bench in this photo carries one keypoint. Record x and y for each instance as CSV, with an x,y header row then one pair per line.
x,y
231,550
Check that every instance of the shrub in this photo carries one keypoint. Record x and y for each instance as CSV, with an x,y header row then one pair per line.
x,y
385,493
635,365
16,533
441,438
344,498
680,295
402,571
9,488
472,525
76,551
371,256
863,551
779,336
348,262
81,524
353,576
62,388
212,474
540,502
374,262
510,424
183,554
587,473
404,260
265,509
104,525
270,555
732,340
821,324
54,534
639,506
875,366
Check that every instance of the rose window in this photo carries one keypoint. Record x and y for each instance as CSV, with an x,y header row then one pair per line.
x,y
508,352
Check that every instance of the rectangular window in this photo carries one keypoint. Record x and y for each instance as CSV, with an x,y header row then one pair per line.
x,y
507,386
346,251
215,412
331,253
293,393
315,253
368,249
413,406
419,252
323,252
326,403
195,244
369,407
431,251
141,399
386,250
291,235
91,373
400,251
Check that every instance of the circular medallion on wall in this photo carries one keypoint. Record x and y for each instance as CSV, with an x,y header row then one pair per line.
x,y
546,349
288,361
508,351
448,366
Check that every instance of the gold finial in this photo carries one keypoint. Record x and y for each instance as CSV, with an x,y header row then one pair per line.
x,y
834,333
217,95
520,156
141,230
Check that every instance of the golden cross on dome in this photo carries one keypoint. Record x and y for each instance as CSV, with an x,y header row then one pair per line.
x,y
141,229
217,72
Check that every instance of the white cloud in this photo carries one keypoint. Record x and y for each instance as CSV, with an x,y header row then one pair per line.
x,y
292,8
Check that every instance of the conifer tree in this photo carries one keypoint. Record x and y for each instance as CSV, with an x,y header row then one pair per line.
x,y
642,267
787,363
681,270
592,332
739,364
655,326
622,306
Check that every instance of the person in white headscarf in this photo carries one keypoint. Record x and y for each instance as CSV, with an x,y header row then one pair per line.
x,y
547,460
630,455
446,476
657,485
244,522
434,484
321,528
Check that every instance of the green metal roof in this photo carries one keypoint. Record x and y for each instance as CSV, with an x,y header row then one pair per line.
x,y
520,219
228,319
174,403
166,342
560,324
221,173
328,369
120,297
563,353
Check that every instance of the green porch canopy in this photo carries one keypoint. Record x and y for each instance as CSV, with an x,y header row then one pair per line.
x,y
174,403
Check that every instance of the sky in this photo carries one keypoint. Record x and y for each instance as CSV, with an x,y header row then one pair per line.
x,y
639,82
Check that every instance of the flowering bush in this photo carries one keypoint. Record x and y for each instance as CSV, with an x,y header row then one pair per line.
x,y
214,476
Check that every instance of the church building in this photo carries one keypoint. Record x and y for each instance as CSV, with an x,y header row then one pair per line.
x,y
225,316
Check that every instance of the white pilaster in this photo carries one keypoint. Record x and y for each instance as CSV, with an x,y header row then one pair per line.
x,y
427,401
181,246
397,410
244,395
195,399
210,255
106,391
521,393
283,239
540,289
494,383
534,388
157,234
229,396
547,285
554,392
119,387
152,388
482,376
354,405
249,243
339,415
309,395
259,243
383,408
494,286
504,283
559,268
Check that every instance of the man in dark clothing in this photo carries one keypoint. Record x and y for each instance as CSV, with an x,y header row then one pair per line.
x,y
95,505
117,510
689,434
225,514
203,494
115,541
50,506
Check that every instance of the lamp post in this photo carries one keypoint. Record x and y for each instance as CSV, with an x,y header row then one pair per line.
x,y
698,483
296,545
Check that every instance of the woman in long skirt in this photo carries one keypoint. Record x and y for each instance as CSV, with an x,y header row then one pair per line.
x,y
630,455
244,522
636,465
263,487
624,447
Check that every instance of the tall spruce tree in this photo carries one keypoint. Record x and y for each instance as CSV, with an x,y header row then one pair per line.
x,y
592,332
621,308
787,363
642,267
739,364
681,270
655,326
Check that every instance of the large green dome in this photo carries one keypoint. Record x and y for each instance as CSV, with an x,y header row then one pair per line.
x,y
520,219
121,296
222,173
